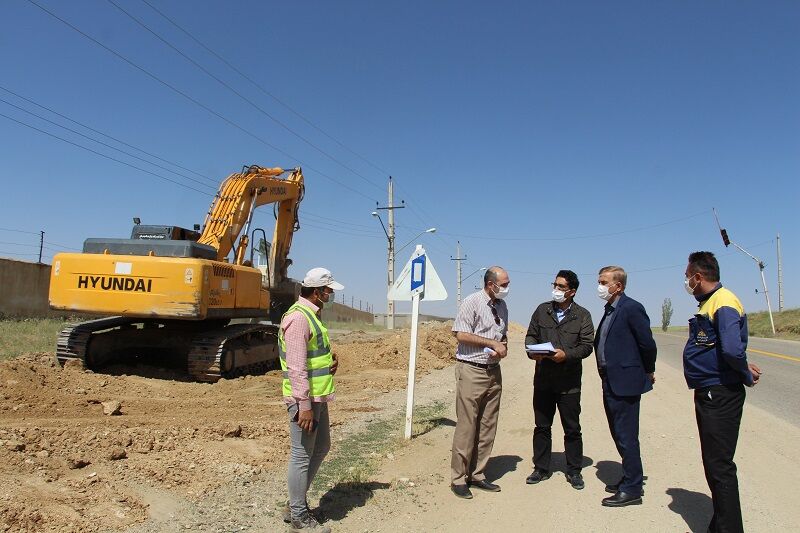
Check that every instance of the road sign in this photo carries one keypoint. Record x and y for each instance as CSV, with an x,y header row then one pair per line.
x,y
418,277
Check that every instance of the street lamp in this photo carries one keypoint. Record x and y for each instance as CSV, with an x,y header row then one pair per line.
x,y
429,230
390,265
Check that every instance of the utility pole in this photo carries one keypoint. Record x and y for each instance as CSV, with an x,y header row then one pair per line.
x,y
390,259
458,260
41,245
780,275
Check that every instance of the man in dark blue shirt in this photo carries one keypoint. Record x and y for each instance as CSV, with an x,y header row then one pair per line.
x,y
715,366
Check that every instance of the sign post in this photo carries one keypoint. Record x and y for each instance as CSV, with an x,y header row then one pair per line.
x,y
416,282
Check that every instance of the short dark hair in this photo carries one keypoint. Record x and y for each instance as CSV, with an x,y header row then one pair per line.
x,y
571,277
305,292
490,276
706,264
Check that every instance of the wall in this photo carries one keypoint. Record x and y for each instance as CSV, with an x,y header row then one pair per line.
x,y
402,320
23,289
342,313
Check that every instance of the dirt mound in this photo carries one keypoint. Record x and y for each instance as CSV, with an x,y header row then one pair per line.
x,y
65,465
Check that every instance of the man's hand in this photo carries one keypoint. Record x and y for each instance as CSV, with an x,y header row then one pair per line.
x,y
305,419
558,356
755,371
335,364
652,378
500,349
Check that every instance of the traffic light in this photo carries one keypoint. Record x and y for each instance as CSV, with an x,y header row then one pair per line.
x,y
725,238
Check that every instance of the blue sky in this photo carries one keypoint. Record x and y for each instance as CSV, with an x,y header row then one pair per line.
x,y
541,136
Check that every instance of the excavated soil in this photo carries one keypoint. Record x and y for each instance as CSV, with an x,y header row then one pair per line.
x,y
85,451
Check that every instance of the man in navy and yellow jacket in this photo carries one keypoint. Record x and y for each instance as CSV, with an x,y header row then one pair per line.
x,y
715,366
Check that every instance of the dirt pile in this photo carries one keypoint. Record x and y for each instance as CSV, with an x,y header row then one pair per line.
x,y
79,450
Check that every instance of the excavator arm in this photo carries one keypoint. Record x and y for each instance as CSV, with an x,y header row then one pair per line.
x,y
232,211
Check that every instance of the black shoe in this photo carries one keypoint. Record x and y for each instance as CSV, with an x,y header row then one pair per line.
x,y
537,476
485,485
576,480
613,489
621,499
462,491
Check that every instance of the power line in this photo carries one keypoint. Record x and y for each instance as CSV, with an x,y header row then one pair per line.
x,y
102,154
191,99
240,95
578,237
106,144
262,89
20,231
65,117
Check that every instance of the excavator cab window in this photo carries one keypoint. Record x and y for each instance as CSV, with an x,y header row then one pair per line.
x,y
259,255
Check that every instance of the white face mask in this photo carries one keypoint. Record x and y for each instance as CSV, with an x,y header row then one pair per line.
x,y
603,292
687,285
558,296
501,292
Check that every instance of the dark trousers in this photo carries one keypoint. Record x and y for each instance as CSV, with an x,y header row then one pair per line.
x,y
545,402
719,413
622,413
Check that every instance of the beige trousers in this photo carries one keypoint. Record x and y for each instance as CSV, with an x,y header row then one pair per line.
x,y
477,407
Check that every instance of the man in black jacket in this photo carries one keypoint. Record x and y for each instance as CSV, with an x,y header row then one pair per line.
x,y
557,381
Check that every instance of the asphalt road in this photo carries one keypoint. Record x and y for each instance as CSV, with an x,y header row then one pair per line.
x,y
779,360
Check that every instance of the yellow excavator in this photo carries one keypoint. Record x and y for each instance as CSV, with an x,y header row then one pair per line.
x,y
176,295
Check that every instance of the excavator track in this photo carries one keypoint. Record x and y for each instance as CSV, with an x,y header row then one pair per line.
x,y
232,351
73,341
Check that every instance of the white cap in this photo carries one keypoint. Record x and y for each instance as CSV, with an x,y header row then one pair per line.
x,y
321,277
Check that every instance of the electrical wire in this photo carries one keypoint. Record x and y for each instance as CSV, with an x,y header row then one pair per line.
x,y
202,184
106,135
579,237
241,96
263,90
20,231
102,154
193,100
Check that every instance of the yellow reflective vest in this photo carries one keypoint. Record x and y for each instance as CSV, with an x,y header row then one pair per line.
x,y
318,355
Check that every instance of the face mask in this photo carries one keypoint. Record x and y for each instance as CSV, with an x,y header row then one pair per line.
x,y
501,293
603,293
687,285
331,296
558,296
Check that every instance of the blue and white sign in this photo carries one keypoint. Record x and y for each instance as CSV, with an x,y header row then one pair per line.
x,y
418,274
418,277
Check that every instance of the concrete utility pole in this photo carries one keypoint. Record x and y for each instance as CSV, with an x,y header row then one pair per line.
x,y
390,259
780,275
458,260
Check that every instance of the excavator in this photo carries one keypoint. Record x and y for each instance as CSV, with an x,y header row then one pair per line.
x,y
195,298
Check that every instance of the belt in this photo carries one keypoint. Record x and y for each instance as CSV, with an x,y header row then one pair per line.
x,y
485,366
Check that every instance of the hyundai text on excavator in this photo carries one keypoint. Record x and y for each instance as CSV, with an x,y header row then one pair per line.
x,y
172,293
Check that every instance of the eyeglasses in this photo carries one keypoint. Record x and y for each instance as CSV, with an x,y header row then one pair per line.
x,y
560,287
496,316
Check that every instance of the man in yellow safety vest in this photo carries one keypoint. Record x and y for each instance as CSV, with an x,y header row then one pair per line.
x,y
308,366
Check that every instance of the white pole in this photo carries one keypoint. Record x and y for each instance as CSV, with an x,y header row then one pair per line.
x,y
766,295
412,364
780,275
